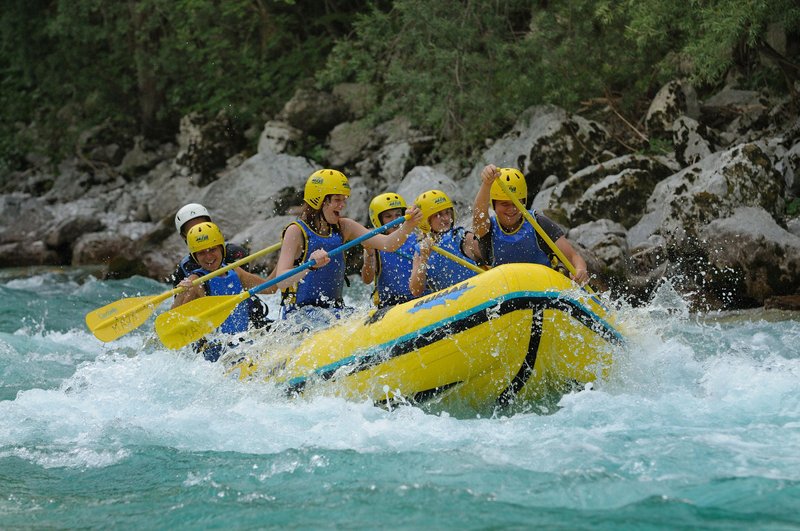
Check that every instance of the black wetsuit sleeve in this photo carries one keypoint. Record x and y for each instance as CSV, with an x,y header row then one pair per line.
x,y
550,227
235,252
176,277
553,231
485,245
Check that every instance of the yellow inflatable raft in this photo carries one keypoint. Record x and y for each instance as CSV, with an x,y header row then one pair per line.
x,y
511,335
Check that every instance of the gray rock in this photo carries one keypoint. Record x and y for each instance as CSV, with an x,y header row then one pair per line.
x,y
546,140
675,99
751,256
692,140
681,204
314,112
606,240
278,137
248,192
358,97
559,201
621,197
205,144
27,253
347,143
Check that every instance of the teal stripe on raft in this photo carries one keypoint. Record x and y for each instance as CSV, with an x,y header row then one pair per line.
x,y
332,367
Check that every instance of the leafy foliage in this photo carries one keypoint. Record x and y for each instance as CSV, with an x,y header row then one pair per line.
x,y
461,69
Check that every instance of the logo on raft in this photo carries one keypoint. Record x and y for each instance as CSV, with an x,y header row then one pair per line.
x,y
441,298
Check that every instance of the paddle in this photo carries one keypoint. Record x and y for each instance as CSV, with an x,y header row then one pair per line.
x,y
125,315
193,320
457,259
446,254
541,232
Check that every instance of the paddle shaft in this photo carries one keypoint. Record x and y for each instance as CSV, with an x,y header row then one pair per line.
x,y
549,241
446,254
457,259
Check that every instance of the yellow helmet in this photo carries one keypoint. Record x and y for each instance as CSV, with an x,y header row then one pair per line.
x,y
322,183
514,181
381,204
430,203
205,236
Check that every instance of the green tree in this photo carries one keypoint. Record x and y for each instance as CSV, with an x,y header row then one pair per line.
x,y
141,64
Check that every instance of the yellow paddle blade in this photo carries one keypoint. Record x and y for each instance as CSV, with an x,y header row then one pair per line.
x,y
191,321
118,318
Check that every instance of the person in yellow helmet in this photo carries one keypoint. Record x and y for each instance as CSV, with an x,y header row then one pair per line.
x,y
322,227
389,270
193,214
505,236
432,271
207,248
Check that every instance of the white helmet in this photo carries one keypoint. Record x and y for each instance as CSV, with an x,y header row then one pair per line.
x,y
190,211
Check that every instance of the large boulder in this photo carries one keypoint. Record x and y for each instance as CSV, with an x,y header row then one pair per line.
x,y
547,140
102,248
23,218
751,257
675,99
423,178
314,112
560,201
249,192
278,137
692,140
358,97
735,110
347,142
205,144
621,197
606,240
394,149
685,202
27,253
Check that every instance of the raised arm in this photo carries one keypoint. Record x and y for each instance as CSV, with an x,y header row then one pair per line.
x,y
480,208
383,242
419,268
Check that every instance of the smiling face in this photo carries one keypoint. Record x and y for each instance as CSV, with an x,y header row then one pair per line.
x,y
508,215
390,215
442,221
333,207
209,259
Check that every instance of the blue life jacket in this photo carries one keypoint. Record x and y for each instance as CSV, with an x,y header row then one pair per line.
x,y
229,284
320,287
444,272
393,271
522,245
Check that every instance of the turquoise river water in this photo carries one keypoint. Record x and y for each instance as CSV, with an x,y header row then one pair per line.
x,y
696,427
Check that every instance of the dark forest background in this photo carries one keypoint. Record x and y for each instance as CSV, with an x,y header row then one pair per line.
x,y
460,70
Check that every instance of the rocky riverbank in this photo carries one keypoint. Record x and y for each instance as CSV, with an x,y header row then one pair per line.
x,y
711,205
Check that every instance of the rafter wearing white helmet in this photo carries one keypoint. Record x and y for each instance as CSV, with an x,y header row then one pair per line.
x,y
188,213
